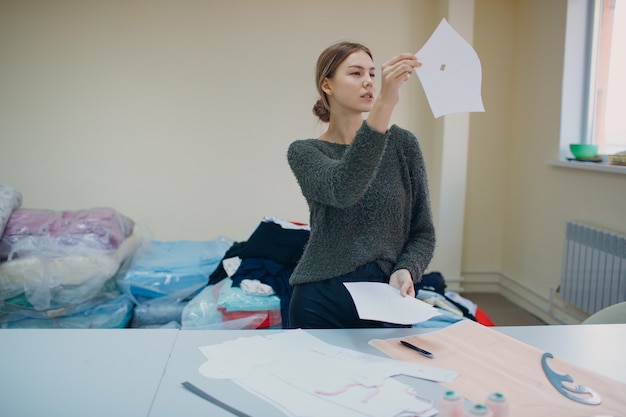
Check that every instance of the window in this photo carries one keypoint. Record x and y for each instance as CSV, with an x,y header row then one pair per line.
x,y
594,85
609,127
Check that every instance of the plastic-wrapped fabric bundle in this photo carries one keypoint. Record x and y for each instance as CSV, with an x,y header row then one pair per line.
x,y
100,228
59,268
18,307
162,268
115,313
221,306
108,309
235,299
10,200
58,257
53,275
165,310
201,311
157,312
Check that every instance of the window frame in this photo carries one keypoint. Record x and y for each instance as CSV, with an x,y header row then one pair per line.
x,y
578,91
588,45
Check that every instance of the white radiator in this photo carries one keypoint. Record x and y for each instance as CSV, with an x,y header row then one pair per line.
x,y
593,273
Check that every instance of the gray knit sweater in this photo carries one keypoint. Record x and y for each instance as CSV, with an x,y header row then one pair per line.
x,y
368,202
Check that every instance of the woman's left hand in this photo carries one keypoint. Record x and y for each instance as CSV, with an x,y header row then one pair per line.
x,y
402,280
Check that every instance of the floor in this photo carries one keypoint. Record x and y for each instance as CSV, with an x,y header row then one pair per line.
x,y
501,311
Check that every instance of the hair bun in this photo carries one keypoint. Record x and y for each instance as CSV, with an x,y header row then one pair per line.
x,y
321,111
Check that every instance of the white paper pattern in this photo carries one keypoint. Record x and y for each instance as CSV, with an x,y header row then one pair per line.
x,y
382,302
304,376
451,74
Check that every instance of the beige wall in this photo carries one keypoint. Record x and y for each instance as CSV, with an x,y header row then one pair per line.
x,y
517,206
179,113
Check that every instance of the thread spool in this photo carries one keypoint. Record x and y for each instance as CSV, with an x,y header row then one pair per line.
x,y
497,403
451,404
478,410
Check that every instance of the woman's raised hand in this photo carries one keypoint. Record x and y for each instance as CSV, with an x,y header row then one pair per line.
x,y
395,73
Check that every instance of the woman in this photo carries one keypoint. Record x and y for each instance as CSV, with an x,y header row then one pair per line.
x,y
366,187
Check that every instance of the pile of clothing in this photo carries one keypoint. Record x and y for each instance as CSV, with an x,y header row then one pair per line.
x,y
216,284
250,287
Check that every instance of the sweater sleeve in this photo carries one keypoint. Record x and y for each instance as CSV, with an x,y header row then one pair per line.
x,y
420,245
337,182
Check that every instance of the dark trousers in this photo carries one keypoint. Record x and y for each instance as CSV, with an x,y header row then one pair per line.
x,y
328,304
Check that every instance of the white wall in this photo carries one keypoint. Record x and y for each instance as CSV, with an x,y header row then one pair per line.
x,y
178,113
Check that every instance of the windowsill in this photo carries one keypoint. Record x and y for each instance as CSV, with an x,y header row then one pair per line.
x,y
588,166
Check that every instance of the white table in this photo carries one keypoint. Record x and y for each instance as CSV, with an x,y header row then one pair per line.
x,y
598,347
81,372
134,372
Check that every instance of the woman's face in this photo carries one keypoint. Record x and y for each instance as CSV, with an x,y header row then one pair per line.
x,y
352,88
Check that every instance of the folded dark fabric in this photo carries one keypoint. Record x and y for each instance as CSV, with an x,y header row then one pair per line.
x,y
271,241
269,272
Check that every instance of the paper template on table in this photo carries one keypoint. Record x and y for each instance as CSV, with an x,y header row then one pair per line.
x,y
382,302
451,73
303,376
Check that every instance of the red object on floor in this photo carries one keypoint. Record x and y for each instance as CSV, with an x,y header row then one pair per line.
x,y
483,318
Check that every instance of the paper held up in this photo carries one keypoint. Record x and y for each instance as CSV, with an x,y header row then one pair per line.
x,y
381,302
451,73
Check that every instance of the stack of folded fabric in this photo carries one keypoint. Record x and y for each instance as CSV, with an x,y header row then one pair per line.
x,y
164,276
250,288
57,268
454,307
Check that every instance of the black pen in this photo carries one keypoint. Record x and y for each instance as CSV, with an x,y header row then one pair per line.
x,y
418,350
